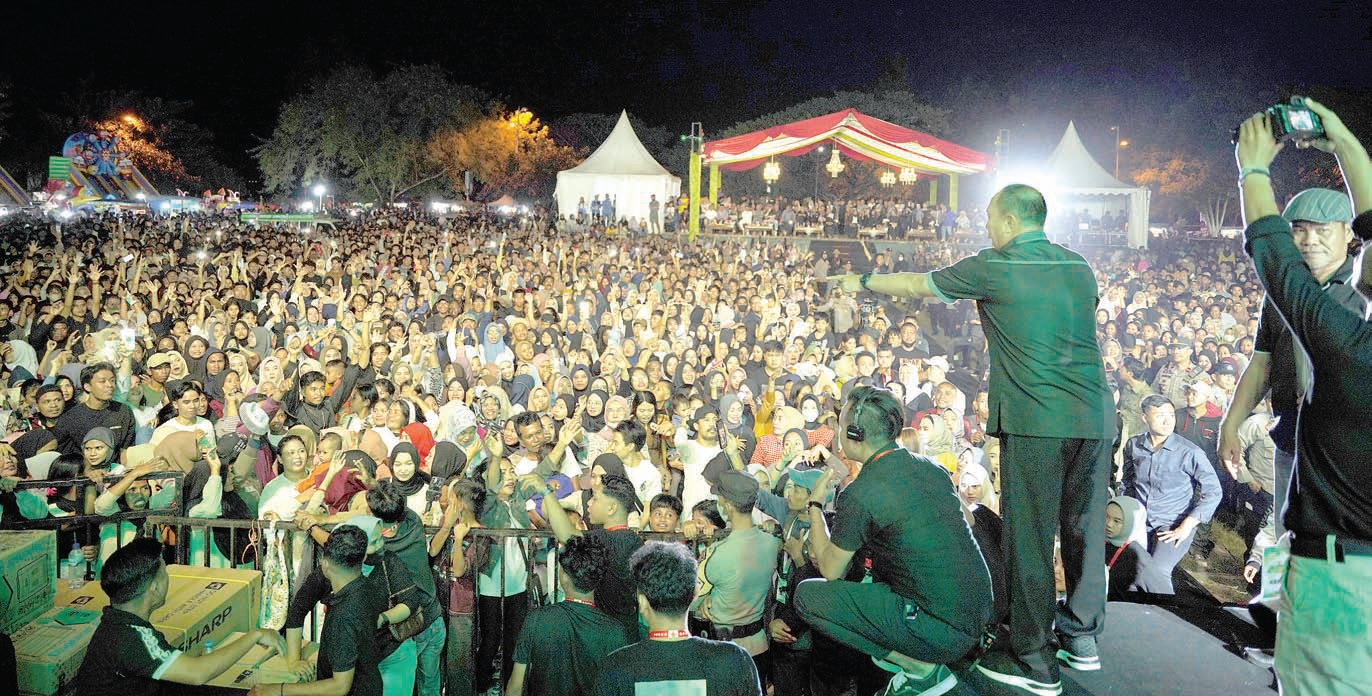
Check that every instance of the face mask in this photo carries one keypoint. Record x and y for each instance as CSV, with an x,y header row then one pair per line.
x,y
275,439
810,414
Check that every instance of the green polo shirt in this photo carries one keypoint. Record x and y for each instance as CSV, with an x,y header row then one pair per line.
x,y
1037,302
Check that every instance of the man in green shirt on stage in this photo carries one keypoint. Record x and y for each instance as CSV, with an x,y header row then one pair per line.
x,y
1054,415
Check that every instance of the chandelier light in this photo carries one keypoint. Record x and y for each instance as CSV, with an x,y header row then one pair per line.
x,y
888,178
835,166
907,175
771,172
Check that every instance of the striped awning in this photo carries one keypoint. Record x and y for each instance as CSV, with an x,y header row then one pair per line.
x,y
854,134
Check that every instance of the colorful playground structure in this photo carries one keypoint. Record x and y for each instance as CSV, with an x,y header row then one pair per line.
x,y
94,167
11,193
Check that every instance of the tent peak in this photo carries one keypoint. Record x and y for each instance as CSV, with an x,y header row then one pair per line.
x,y
621,153
1073,167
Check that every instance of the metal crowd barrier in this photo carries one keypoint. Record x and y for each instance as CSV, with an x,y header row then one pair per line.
x,y
532,542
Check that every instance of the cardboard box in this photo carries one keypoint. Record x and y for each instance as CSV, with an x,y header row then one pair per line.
x,y
202,603
28,576
49,650
262,666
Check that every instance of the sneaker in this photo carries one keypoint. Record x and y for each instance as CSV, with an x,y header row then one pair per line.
x,y
1010,672
1079,653
1259,656
939,681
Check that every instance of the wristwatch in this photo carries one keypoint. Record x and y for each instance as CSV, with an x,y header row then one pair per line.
x,y
815,504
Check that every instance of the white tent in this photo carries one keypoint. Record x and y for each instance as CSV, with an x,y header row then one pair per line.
x,y
622,169
1075,174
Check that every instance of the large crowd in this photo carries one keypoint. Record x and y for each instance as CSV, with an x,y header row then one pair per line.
x,y
420,378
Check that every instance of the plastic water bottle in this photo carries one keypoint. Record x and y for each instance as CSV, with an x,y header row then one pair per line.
x,y
75,560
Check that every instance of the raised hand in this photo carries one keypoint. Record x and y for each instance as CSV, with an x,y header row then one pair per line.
x,y
1338,139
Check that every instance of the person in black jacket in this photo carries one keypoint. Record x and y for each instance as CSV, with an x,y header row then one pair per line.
x,y
311,405
1128,566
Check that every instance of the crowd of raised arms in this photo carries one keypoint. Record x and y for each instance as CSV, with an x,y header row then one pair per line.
x,y
404,371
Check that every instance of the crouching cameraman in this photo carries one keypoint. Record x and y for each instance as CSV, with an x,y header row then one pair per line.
x,y
1322,640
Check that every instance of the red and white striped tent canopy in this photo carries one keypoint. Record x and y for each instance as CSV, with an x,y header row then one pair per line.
x,y
856,135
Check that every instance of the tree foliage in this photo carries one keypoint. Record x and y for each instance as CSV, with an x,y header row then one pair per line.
x,y
162,142
1170,172
506,153
1184,182
369,136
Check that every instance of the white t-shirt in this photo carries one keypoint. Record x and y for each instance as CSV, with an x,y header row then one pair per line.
x,y
173,426
694,487
570,467
646,478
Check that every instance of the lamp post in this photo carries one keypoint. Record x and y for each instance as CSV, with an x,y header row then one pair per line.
x,y
319,192
1119,145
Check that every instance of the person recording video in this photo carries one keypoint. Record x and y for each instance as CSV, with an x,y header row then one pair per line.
x,y
1322,645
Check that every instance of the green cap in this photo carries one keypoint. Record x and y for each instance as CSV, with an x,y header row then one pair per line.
x,y
1319,205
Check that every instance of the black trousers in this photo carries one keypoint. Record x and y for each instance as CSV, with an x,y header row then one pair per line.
x,y
790,670
874,620
500,635
1053,485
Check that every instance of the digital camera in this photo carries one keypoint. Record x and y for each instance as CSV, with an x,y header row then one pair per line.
x,y
1293,121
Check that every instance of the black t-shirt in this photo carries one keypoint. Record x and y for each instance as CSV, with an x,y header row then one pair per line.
x,y
1133,571
126,656
751,321
616,594
917,352
564,644
1274,338
903,511
347,640
72,426
315,589
759,381
691,667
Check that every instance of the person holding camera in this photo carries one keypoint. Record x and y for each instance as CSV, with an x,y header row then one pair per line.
x,y
1321,229
1322,644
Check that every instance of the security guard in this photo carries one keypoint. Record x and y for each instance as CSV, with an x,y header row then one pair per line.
x,y
1178,375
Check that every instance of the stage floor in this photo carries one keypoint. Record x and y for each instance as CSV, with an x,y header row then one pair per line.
x,y
1153,651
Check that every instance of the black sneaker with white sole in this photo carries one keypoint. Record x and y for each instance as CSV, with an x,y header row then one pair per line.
x,y
1078,652
939,681
936,683
1009,672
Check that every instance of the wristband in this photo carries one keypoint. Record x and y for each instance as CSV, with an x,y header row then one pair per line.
x,y
862,279
1246,171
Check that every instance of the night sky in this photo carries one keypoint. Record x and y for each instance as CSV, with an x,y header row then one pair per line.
x,y
997,65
